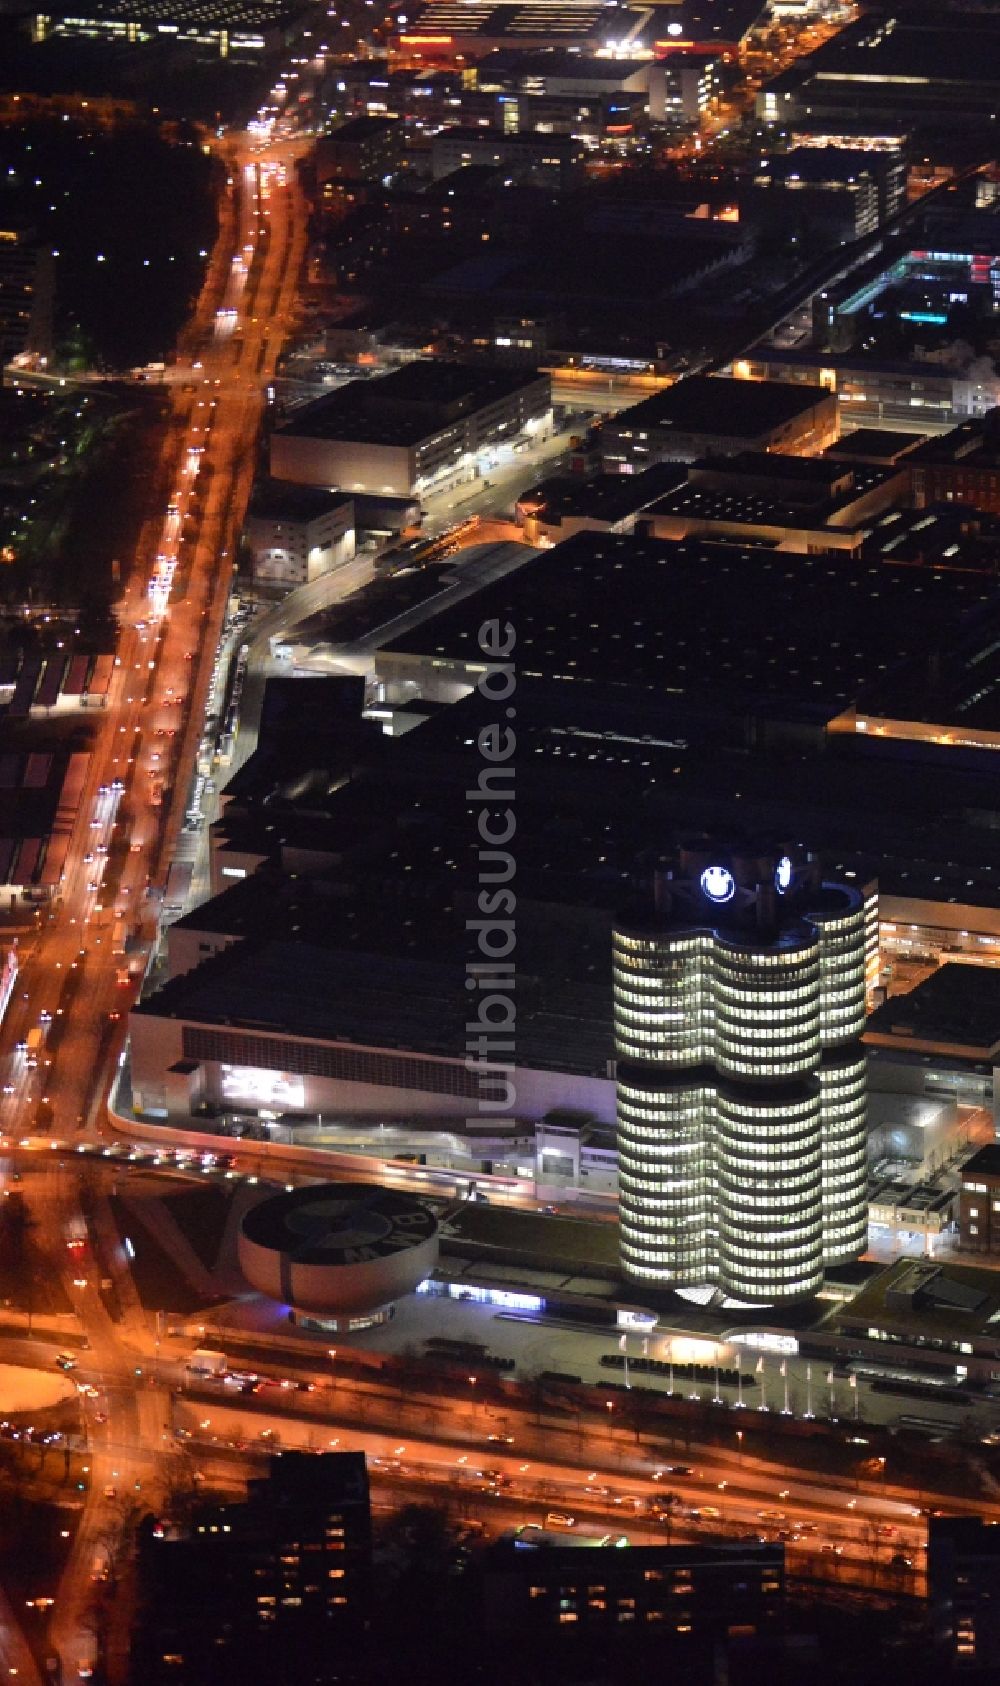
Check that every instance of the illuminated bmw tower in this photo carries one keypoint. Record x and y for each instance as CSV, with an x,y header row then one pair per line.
x,y
739,1002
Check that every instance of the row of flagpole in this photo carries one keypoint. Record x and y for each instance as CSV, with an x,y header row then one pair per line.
x,y
760,1372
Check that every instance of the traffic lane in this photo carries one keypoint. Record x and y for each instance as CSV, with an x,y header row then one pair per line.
x,y
752,1501
598,1496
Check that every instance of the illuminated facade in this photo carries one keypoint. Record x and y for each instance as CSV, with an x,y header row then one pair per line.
x,y
739,1003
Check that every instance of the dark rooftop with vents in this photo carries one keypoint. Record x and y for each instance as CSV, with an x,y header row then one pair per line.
x,y
737,623
957,1004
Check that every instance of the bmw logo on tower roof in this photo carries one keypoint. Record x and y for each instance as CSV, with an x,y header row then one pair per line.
x,y
718,884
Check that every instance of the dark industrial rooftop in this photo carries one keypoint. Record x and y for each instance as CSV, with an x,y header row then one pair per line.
x,y
810,501
944,535
718,405
985,1163
297,987
924,43
733,622
956,1004
602,497
408,404
873,444
973,444
283,500
600,771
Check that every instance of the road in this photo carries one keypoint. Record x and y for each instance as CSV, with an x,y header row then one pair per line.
x,y
75,984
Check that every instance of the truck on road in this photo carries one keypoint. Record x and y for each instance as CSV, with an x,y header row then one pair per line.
x,y
34,1043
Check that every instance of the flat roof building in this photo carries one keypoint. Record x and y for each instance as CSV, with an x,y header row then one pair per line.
x,y
956,1011
928,1315
675,1598
979,1201
229,26
963,1588
911,65
961,467
296,533
421,428
550,161
795,503
707,415
736,612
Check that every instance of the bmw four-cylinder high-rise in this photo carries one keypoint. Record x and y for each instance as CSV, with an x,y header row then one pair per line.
x,y
739,1003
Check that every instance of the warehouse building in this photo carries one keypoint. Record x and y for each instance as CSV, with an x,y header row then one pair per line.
x,y
424,428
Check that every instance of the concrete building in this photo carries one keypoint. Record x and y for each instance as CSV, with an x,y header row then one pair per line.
x,y
296,533
560,75
739,1001
963,1588
338,1254
445,32
961,467
293,1027
979,1203
683,84
678,1595
290,1573
711,416
819,160
922,1134
811,194
231,28
422,428
953,1015
563,505
940,1318
902,66
364,149
27,295
795,503
875,392
549,161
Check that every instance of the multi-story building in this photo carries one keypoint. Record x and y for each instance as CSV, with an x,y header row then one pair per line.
x,y
979,1202
580,1595
739,1002
963,1586
808,192
367,149
289,1572
709,415
26,295
550,161
418,429
961,467
296,533
683,84
896,67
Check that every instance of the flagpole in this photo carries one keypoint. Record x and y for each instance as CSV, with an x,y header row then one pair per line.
x,y
809,1390
854,1386
833,1400
784,1374
763,1384
739,1381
